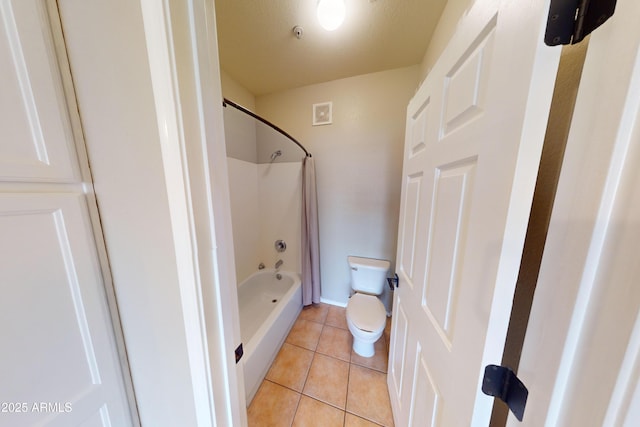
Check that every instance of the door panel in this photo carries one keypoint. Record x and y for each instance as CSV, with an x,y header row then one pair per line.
x,y
398,360
450,214
37,140
60,361
470,162
410,224
419,126
426,410
54,321
465,85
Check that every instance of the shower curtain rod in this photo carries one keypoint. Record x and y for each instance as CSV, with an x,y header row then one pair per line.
x,y
226,102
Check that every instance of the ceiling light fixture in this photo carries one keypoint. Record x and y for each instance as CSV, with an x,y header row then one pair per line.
x,y
331,13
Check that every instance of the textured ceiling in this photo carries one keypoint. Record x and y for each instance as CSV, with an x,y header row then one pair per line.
x,y
259,50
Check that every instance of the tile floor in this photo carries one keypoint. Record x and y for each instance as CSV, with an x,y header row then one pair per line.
x,y
317,379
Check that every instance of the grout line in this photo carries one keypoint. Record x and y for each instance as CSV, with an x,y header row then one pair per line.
x,y
281,385
297,407
306,378
347,396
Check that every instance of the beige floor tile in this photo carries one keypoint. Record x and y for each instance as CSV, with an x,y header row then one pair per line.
x,y
368,396
335,342
327,380
314,313
273,405
337,317
291,366
305,333
353,421
378,361
313,413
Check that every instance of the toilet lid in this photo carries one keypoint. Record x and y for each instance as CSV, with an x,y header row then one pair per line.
x,y
366,312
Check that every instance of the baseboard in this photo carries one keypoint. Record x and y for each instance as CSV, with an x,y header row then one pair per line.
x,y
332,302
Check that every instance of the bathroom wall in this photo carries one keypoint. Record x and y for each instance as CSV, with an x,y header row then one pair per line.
x,y
280,204
235,92
265,196
240,128
245,215
265,207
358,163
240,136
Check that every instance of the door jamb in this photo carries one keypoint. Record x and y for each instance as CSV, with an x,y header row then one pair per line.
x,y
88,190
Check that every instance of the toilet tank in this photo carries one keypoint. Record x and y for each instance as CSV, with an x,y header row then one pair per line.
x,y
368,274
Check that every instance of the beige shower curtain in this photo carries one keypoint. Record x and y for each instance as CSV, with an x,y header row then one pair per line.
x,y
310,242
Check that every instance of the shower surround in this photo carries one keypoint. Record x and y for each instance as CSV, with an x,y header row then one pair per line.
x,y
265,194
265,207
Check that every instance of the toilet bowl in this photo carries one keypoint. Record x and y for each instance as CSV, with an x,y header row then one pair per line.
x,y
366,315
366,319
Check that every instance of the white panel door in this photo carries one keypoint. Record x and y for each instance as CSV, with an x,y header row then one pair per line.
x,y
57,339
581,355
37,142
473,139
59,362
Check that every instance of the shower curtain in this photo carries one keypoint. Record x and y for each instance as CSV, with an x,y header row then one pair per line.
x,y
310,243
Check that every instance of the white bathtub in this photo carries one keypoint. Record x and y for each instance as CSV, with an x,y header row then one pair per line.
x,y
268,309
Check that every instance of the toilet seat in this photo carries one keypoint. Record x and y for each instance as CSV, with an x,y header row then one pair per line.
x,y
366,312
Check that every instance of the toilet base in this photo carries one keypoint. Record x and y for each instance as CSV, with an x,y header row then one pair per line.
x,y
364,349
363,342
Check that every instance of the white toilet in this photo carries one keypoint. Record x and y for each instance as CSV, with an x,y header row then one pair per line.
x,y
366,315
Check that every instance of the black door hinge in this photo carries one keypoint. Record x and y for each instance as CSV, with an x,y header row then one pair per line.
x,y
570,21
503,383
239,353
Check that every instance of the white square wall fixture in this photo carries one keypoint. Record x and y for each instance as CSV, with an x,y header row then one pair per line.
x,y
322,113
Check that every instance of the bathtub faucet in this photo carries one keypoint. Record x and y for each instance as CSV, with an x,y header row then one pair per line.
x,y
279,264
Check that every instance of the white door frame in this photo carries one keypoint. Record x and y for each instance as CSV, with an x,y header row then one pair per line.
x,y
586,226
185,92
147,81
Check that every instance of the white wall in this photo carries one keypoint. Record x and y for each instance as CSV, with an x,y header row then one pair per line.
x,y
280,193
240,138
245,216
235,92
265,207
240,131
358,163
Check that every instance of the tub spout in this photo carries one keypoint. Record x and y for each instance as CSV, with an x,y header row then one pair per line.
x,y
279,264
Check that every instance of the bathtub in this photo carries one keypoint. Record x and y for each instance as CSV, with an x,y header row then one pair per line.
x,y
268,309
